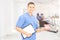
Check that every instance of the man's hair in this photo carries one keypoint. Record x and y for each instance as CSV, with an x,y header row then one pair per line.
x,y
31,3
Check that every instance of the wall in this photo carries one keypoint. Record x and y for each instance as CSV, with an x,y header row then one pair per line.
x,y
6,16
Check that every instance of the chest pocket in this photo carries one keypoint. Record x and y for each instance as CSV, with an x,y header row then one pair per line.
x,y
27,22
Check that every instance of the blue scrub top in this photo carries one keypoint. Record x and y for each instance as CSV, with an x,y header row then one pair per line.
x,y
25,20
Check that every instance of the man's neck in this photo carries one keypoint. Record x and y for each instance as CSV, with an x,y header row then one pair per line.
x,y
30,13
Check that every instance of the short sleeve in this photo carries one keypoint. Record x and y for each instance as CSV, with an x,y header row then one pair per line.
x,y
20,22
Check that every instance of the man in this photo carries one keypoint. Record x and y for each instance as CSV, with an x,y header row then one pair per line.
x,y
26,19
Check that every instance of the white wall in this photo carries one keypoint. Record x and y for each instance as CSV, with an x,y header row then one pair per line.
x,y
48,9
6,16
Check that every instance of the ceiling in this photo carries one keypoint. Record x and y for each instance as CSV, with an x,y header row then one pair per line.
x,y
45,1
39,1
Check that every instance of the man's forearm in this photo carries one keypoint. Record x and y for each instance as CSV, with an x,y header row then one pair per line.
x,y
20,30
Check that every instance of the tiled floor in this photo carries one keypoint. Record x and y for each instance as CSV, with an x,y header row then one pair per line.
x,y
40,36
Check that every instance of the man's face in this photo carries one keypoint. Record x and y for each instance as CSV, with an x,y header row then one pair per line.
x,y
31,8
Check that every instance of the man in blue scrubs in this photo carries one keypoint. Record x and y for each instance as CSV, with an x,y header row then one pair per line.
x,y
26,19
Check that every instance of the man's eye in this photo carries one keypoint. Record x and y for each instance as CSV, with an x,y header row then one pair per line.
x,y
33,7
30,7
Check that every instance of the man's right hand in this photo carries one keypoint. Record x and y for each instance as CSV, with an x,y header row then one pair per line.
x,y
28,34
